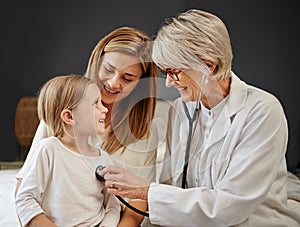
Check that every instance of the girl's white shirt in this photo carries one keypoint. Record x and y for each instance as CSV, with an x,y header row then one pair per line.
x,y
61,184
139,157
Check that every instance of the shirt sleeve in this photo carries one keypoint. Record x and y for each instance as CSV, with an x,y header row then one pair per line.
x,y
43,131
28,198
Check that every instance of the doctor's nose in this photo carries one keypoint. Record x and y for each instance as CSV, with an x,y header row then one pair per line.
x,y
169,82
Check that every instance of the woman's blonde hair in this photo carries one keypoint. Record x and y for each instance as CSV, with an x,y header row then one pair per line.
x,y
57,94
132,116
191,38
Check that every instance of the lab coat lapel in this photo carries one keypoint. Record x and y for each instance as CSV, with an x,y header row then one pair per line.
x,y
233,104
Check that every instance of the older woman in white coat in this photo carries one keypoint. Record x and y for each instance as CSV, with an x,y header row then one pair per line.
x,y
225,161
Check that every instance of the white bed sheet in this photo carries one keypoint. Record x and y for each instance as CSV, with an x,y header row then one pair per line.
x,y
8,216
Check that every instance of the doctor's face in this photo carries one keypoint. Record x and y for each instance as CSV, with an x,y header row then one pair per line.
x,y
186,81
118,75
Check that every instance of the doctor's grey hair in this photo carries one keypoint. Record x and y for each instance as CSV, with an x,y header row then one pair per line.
x,y
191,39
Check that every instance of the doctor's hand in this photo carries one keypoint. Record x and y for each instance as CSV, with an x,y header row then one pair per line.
x,y
123,183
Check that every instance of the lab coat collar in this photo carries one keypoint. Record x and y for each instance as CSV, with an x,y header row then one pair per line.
x,y
235,101
237,96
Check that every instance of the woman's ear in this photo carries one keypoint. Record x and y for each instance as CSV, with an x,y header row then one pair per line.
x,y
211,65
213,68
67,117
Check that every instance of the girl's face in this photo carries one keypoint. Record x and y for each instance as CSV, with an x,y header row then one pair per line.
x,y
90,114
118,75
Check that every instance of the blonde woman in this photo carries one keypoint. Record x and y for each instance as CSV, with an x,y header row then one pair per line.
x,y
225,162
60,188
121,65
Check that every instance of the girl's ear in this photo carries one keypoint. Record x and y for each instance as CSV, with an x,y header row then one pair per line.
x,y
67,117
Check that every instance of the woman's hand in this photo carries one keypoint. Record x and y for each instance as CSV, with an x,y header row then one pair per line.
x,y
123,183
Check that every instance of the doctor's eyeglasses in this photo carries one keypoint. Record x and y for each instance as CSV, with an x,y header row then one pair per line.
x,y
171,73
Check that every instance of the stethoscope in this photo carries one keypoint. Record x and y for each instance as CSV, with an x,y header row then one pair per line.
x,y
187,150
101,178
189,139
191,126
186,159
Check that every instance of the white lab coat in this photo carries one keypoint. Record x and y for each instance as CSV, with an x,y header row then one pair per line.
x,y
241,181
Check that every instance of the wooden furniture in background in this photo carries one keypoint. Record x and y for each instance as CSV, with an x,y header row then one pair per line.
x,y
11,165
26,123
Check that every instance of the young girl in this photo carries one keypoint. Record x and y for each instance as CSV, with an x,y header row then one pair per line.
x,y
60,187
121,65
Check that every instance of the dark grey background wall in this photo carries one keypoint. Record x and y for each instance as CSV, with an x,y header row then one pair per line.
x,y
41,40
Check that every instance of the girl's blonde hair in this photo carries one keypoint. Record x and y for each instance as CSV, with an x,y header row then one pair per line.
x,y
191,38
132,116
57,94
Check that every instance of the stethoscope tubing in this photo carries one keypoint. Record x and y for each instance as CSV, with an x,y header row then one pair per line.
x,y
189,139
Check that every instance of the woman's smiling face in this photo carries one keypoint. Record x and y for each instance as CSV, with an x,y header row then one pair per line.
x,y
187,83
118,75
